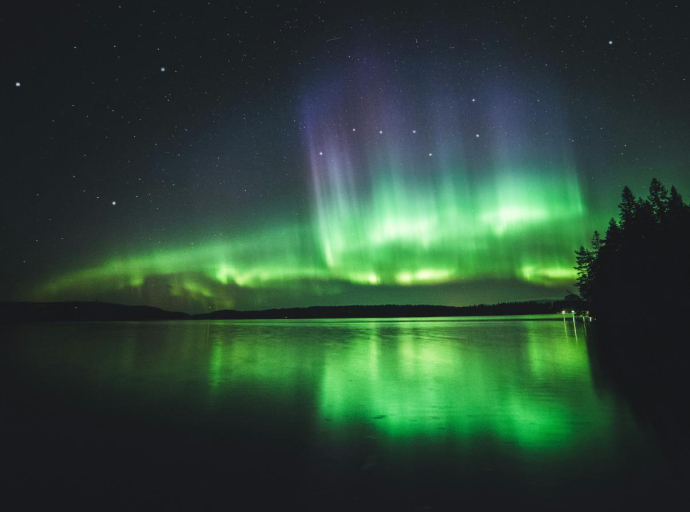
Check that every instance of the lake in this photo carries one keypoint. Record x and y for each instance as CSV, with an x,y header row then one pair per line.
x,y
401,414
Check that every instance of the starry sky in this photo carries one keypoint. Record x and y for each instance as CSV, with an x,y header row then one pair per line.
x,y
208,155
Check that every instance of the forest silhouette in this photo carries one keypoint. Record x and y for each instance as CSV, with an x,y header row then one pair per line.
x,y
635,283
635,278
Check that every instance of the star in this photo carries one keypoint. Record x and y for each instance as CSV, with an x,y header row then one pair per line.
x,y
17,84
321,153
473,100
431,154
380,132
476,135
610,42
114,203
163,69
353,129
414,131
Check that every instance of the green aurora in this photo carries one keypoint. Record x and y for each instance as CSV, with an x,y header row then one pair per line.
x,y
401,209
455,163
523,230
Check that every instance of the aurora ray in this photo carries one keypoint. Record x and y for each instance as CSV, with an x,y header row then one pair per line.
x,y
404,193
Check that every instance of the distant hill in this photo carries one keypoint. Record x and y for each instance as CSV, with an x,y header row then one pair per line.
x,y
81,311
392,311
104,311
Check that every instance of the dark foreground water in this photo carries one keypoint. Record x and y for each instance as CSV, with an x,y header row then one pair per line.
x,y
424,414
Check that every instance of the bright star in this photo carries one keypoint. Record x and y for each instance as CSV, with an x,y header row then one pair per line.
x,y
163,68
477,135
17,84
610,42
321,153
473,100
380,131
431,154
414,131
114,203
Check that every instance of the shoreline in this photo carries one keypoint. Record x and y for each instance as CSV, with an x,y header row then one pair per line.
x,y
102,311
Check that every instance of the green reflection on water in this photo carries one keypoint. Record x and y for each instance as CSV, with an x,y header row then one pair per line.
x,y
517,386
524,383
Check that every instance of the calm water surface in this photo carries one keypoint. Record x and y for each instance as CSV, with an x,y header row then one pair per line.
x,y
422,414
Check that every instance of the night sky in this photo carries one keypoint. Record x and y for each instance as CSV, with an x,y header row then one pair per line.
x,y
198,156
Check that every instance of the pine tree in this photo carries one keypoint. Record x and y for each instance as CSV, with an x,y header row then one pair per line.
x,y
597,244
675,204
613,235
584,258
645,222
658,198
627,207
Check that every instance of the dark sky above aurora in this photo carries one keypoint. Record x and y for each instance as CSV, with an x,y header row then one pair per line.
x,y
199,156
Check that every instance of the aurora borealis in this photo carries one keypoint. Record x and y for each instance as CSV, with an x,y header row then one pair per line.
x,y
420,199
251,167
393,204
171,168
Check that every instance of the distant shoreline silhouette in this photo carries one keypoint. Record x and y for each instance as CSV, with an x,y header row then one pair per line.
x,y
103,311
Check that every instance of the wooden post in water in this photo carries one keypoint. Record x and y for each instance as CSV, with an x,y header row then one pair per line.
x,y
574,326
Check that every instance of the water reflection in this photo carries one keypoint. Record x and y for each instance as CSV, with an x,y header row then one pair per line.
x,y
361,407
526,383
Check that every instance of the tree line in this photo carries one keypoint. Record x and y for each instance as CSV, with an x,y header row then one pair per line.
x,y
638,274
